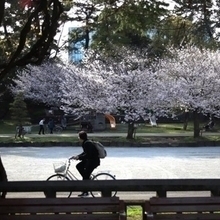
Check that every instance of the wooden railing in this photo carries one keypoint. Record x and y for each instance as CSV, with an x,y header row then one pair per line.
x,y
159,186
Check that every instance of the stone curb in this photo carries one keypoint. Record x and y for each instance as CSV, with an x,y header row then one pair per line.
x,y
114,144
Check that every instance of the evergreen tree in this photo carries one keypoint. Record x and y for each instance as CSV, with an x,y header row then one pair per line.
x,y
174,31
128,23
204,18
18,109
86,13
115,23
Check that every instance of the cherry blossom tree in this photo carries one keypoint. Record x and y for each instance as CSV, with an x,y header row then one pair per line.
x,y
124,84
93,86
129,87
41,84
85,89
90,87
128,84
133,86
73,88
191,79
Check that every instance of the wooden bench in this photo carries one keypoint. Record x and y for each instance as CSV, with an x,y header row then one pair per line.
x,y
184,208
62,209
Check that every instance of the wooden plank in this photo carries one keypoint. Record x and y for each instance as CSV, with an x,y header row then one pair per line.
x,y
186,217
70,208
58,201
122,208
62,217
115,185
184,200
61,208
185,208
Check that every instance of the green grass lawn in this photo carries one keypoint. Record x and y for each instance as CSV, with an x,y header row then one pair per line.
x,y
164,128
7,127
134,213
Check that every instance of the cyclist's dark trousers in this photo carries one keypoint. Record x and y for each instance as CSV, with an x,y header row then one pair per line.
x,y
86,168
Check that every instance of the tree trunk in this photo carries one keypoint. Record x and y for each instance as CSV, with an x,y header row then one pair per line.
x,y
3,177
131,128
196,124
186,119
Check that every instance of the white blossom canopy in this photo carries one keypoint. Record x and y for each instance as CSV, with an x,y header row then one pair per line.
x,y
191,79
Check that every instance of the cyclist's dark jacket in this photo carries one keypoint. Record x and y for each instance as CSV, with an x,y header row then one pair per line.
x,y
90,153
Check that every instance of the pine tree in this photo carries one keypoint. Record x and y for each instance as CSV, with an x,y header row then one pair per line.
x,y
18,109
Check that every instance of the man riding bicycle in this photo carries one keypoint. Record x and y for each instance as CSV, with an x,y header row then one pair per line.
x,y
89,159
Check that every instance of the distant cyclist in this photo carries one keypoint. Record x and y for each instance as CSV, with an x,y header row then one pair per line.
x,y
89,159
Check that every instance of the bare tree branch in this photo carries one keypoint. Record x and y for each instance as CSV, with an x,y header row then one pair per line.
x,y
2,9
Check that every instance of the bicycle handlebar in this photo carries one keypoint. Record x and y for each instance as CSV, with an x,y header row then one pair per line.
x,y
69,162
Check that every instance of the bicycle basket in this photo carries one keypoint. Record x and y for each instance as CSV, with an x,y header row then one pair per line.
x,y
59,167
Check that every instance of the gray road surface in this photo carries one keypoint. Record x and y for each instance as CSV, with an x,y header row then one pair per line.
x,y
36,163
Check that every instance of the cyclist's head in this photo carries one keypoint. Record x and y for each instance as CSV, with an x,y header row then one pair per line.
x,y
83,135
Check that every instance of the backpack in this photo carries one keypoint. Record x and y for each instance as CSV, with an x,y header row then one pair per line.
x,y
101,150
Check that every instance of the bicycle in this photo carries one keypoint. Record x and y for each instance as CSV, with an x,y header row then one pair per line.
x,y
57,129
63,173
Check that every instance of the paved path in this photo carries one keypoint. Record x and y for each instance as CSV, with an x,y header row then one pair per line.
x,y
36,163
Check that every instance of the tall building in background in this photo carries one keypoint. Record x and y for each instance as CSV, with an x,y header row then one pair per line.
x,y
76,50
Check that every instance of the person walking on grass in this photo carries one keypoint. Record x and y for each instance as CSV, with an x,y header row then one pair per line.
x,y
51,125
89,159
41,126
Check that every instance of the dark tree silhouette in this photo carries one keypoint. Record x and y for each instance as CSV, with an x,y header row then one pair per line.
x,y
41,13
3,177
49,12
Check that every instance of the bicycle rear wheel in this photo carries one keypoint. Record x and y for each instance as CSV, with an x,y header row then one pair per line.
x,y
60,177
103,176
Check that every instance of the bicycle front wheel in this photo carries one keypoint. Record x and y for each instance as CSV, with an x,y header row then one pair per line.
x,y
103,176
58,129
60,177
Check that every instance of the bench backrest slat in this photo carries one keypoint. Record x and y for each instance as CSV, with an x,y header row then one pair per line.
x,y
181,204
182,200
186,217
64,201
183,208
61,208
62,217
